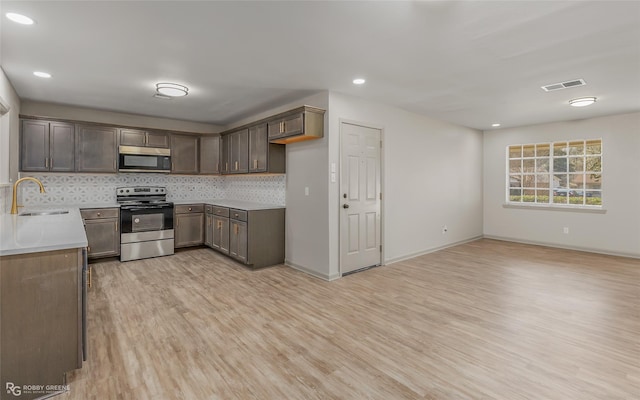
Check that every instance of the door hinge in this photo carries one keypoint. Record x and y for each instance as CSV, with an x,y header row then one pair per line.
x,y
380,248
381,144
380,196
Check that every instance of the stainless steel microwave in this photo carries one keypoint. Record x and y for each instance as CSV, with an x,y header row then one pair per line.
x,y
144,159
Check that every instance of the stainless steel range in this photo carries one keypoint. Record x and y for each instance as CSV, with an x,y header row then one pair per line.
x,y
146,221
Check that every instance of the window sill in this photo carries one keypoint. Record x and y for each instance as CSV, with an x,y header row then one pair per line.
x,y
544,207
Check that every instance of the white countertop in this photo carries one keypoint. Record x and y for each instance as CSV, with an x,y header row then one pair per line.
x,y
33,234
237,204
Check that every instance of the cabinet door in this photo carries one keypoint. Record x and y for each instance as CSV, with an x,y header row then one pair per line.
x,y
210,155
103,236
238,240
34,146
208,230
189,229
96,149
224,154
239,152
157,139
221,234
132,137
184,154
258,148
61,147
293,125
287,126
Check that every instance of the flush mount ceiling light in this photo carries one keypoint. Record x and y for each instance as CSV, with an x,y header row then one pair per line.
x,y
19,18
172,89
41,74
162,96
582,101
495,125
359,81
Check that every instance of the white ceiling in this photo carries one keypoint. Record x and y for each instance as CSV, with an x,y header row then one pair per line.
x,y
472,63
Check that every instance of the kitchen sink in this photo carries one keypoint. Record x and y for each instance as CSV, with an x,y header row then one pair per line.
x,y
51,212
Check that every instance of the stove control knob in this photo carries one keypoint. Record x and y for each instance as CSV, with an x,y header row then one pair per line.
x,y
127,190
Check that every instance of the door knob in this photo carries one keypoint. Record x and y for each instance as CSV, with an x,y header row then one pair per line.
x,y
345,206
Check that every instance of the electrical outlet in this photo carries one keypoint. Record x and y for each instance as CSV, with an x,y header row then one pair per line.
x,y
565,230
444,229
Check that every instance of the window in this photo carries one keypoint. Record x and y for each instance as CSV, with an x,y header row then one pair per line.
x,y
558,173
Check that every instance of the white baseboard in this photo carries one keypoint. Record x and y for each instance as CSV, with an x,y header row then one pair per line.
x,y
431,250
559,246
312,272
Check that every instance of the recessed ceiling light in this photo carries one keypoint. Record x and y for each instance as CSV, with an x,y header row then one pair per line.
x,y
495,125
19,18
40,74
582,101
172,89
358,81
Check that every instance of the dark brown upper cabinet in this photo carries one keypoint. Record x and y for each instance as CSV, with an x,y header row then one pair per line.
x,y
184,154
303,123
96,148
264,157
140,138
47,146
210,155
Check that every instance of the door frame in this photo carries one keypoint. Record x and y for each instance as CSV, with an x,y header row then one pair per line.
x,y
341,122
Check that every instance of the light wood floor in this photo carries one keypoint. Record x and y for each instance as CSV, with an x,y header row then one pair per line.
x,y
483,320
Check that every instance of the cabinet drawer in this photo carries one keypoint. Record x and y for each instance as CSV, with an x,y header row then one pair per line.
x,y
189,208
238,214
221,211
96,213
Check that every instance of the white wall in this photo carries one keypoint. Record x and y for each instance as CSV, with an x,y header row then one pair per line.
x,y
617,231
9,127
39,109
432,176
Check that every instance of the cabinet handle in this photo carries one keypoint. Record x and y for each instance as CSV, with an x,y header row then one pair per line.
x,y
88,249
217,167
236,165
255,164
117,227
98,214
226,166
89,280
235,229
46,162
189,208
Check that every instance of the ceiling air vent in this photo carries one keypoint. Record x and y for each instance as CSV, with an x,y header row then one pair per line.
x,y
563,85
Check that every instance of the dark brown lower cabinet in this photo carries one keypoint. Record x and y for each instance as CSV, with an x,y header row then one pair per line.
x,y
188,225
40,320
252,237
102,226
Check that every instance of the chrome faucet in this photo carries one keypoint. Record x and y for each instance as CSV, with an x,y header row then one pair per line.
x,y
14,203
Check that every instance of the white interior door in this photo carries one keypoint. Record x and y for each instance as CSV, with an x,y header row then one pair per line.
x,y
359,198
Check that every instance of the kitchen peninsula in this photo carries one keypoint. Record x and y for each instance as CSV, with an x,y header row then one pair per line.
x,y
42,298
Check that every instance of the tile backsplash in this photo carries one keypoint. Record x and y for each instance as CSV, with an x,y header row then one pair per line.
x,y
97,189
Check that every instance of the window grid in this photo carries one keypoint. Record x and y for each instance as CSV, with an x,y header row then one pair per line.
x,y
558,173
